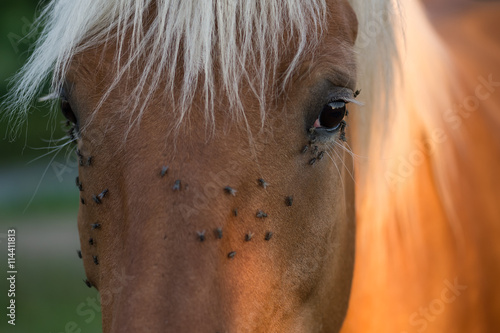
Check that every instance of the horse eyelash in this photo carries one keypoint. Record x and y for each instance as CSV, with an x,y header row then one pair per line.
x,y
351,100
346,100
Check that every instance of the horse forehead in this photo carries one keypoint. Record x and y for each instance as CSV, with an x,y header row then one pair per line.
x,y
342,20
335,57
95,68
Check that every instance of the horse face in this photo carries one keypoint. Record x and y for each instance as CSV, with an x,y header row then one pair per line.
x,y
246,228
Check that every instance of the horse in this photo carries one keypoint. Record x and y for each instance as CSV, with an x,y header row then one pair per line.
x,y
244,165
427,248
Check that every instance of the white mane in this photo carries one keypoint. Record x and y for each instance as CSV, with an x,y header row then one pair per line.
x,y
203,33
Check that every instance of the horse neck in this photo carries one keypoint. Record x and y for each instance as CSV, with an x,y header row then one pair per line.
x,y
425,198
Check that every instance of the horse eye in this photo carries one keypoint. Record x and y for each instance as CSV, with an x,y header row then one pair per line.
x,y
332,115
67,111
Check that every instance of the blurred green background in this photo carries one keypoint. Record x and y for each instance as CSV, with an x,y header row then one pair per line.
x,y
38,198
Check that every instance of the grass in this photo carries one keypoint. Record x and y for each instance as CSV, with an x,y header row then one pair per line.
x,y
50,292
45,205
49,286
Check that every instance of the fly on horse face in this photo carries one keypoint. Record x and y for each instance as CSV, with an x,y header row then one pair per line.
x,y
216,172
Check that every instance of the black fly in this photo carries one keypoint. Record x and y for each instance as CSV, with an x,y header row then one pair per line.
x,y
201,235
96,199
80,156
164,171
230,190
103,194
218,233
263,183
343,125
79,184
260,214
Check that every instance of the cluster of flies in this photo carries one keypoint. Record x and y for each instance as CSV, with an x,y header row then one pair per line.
x,y
218,233
73,133
86,161
318,156
97,199
314,149
201,235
